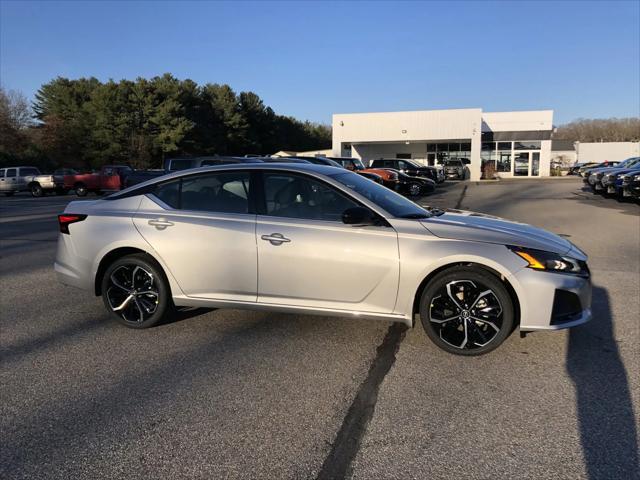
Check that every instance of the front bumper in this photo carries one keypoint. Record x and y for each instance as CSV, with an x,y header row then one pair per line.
x,y
539,293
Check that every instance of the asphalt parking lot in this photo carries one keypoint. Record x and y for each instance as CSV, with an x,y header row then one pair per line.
x,y
232,394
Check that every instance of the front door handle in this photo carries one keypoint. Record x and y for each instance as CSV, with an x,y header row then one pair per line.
x,y
275,239
160,223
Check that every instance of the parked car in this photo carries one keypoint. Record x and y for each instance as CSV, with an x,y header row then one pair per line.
x,y
631,184
610,183
413,186
575,169
110,178
308,239
332,163
25,179
586,170
408,167
454,168
389,178
177,164
595,175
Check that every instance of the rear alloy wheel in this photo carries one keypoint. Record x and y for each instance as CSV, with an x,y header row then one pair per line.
x,y
466,311
136,291
414,189
81,190
36,190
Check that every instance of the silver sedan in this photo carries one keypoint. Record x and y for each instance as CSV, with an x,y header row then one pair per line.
x,y
319,240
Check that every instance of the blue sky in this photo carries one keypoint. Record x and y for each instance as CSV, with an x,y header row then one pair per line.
x,y
310,60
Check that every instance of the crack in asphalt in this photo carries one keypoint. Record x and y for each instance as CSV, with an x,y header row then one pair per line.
x,y
337,465
459,202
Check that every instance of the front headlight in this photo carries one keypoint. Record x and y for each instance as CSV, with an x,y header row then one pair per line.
x,y
551,262
636,178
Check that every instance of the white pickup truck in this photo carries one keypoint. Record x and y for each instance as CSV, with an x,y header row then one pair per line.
x,y
29,179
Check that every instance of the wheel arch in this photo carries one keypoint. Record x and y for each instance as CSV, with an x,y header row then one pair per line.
x,y
512,293
114,255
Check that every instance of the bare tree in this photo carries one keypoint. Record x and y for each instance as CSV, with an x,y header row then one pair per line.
x,y
15,119
601,130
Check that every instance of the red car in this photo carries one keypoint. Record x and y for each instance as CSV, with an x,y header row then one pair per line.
x,y
389,178
110,178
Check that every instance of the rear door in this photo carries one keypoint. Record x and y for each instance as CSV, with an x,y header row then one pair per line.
x,y
11,179
308,257
203,228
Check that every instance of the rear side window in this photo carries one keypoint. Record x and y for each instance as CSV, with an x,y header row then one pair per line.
x,y
169,193
224,192
2,173
11,172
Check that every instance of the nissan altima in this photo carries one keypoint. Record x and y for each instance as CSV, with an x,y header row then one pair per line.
x,y
316,239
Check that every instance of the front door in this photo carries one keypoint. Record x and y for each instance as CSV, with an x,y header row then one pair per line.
x,y
202,229
526,164
308,257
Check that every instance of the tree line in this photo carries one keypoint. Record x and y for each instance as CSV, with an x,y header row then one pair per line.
x,y
87,123
600,130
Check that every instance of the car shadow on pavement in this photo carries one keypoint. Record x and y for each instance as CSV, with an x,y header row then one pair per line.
x,y
9,353
91,415
604,405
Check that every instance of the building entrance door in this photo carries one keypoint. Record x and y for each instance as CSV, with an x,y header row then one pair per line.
x,y
526,164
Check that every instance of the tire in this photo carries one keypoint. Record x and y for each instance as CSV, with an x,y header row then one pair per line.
x,y
36,190
452,321
81,190
414,189
143,303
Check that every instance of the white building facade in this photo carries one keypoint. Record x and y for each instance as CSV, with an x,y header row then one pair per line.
x,y
606,151
508,144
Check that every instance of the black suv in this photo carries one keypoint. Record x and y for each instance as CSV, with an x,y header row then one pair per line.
x,y
408,167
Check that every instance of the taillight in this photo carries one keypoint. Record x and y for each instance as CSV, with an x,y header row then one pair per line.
x,y
67,219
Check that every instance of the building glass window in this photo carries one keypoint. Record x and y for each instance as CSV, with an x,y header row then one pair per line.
x,y
431,147
535,163
526,145
504,161
504,146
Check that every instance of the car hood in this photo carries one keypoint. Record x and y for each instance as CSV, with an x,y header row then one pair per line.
x,y
478,227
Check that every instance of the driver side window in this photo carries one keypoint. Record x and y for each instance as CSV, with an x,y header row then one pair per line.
x,y
296,196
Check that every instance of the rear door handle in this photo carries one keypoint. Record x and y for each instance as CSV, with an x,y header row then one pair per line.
x,y
275,239
160,223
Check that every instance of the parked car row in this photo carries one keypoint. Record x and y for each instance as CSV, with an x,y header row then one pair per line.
x,y
403,176
621,181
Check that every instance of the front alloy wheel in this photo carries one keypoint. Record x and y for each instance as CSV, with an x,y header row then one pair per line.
x,y
136,292
414,189
466,311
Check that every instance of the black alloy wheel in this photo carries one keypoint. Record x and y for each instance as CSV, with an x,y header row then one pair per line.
x,y
36,190
135,290
414,189
467,311
81,190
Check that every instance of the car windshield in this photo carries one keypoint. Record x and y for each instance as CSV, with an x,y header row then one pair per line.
x,y
413,164
629,162
453,163
395,204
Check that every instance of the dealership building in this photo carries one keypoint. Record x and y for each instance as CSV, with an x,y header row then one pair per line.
x,y
514,144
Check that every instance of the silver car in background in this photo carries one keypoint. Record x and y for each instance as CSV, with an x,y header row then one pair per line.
x,y
320,240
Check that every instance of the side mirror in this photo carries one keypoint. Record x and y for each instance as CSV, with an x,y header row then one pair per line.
x,y
358,216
